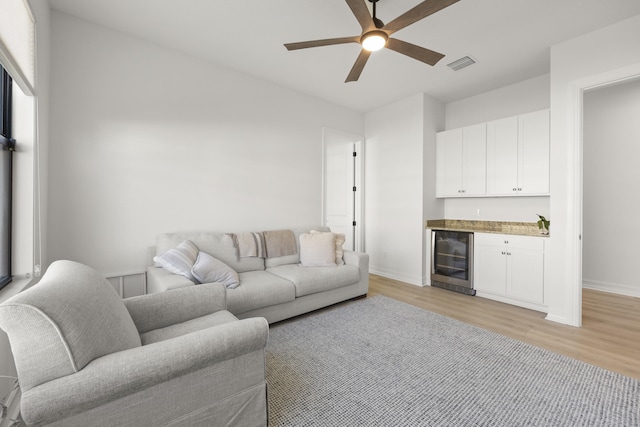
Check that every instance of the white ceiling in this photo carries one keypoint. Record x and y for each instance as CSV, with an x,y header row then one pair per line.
x,y
509,39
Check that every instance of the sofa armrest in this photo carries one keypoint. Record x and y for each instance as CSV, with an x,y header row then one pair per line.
x,y
121,374
360,260
160,280
154,311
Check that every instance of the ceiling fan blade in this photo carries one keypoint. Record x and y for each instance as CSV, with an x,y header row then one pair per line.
x,y
419,12
361,12
416,52
325,42
354,74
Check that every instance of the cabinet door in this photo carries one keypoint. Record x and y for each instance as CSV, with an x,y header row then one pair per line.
x,y
533,152
449,163
525,269
502,156
489,268
526,275
474,160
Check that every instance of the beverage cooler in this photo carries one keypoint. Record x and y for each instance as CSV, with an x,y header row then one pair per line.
x,y
452,260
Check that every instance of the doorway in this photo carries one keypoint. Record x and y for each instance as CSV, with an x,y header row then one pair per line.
x,y
342,180
611,182
576,134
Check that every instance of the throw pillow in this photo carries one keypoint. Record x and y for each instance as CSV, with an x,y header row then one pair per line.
x,y
340,238
208,269
318,250
179,260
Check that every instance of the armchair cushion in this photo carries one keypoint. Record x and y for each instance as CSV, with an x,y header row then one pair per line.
x,y
74,314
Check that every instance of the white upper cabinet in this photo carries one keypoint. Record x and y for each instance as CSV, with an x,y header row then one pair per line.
x,y
461,162
449,163
533,152
507,157
502,156
518,155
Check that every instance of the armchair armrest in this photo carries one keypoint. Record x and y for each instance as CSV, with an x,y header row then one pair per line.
x,y
121,374
154,311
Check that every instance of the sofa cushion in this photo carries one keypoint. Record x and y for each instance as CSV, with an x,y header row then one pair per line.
x,y
179,260
179,329
340,239
293,259
318,250
74,314
208,269
259,289
309,280
216,244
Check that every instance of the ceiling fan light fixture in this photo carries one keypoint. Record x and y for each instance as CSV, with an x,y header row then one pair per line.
x,y
374,40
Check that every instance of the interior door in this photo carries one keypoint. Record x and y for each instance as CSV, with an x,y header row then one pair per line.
x,y
341,181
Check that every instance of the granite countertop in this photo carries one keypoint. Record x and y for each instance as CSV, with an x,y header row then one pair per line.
x,y
499,227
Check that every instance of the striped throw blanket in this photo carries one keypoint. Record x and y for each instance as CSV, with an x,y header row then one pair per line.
x,y
249,244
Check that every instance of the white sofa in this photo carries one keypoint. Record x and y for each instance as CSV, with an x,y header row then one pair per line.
x,y
273,288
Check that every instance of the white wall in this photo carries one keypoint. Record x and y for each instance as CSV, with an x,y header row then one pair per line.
x,y
603,55
611,185
523,97
509,209
433,208
399,138
146,140
520,98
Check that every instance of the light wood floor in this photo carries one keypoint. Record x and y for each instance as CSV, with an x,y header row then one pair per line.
x,y
609,337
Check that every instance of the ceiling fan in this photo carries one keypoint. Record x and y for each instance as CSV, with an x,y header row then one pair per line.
x,y
376,35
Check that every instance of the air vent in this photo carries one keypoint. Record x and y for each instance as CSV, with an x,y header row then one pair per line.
x,y
465,61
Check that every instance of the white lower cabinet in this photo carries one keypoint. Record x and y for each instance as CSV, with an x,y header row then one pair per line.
x,y
510,269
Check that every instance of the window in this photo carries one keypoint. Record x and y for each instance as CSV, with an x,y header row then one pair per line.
x,y
7,146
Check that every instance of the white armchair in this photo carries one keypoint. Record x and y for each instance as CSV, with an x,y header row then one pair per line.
x,y
85,357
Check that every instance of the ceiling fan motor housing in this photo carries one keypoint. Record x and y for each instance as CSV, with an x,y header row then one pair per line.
x,y
367,40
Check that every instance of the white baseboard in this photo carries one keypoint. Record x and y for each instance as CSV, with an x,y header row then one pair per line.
x,y
614,288
395,275
553,317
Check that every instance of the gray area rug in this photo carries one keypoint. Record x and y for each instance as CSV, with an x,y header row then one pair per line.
x,y
381,362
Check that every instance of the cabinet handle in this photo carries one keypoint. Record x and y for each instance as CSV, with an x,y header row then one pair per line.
x,y
503,252
515,189
508,253
519,189
506,242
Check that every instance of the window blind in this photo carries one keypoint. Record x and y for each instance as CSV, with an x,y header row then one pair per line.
x,y
17,43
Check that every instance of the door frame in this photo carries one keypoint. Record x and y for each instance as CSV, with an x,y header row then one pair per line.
x,y
358,141
576,106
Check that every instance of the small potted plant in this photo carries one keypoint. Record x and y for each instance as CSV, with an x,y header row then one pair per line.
x,y
543,224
